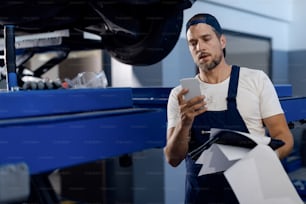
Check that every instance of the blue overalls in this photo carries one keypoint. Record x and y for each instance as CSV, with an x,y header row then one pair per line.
x,y
213,188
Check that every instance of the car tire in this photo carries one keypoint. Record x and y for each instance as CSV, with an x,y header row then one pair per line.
x,y
154,44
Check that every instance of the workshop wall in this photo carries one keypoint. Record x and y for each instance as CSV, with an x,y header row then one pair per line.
x,y
297,49
255,17
282,22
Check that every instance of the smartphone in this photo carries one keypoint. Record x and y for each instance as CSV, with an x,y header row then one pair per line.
x,y
193,85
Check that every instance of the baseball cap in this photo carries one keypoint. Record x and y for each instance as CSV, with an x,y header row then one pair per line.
x,y
205,18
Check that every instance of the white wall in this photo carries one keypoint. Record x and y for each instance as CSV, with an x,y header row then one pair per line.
x,y
270,8
268,18
122,75
283,20
297,27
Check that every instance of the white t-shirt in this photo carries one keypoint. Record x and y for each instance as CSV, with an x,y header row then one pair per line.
x,y
256,99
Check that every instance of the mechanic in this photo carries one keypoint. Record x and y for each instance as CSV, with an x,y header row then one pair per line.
x,y
235,98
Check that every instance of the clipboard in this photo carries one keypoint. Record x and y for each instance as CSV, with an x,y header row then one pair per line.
x,y
235,138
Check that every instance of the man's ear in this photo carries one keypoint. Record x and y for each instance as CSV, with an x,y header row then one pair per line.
x,y
223,41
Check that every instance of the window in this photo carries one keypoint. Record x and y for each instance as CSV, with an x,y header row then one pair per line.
x,y
249,50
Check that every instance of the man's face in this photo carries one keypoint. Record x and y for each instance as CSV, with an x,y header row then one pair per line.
x,y
205,46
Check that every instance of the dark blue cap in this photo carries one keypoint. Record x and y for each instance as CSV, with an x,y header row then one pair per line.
x,y
204,18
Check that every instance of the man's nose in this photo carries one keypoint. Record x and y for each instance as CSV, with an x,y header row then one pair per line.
x,y
201,46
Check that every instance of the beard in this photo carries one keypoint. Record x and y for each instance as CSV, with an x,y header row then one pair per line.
x,y
210,65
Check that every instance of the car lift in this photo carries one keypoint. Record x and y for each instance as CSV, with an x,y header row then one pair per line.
x,y
48,130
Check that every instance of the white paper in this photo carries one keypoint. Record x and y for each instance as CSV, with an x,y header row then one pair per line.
x,y
232,152
259,177
213,161
219,157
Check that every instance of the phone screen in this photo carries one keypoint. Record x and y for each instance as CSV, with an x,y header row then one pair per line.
x,y
193,85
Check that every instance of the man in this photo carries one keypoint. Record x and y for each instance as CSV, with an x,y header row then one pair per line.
x,y
234,98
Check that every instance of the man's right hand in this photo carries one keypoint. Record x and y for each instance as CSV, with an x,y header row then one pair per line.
x,y
191,108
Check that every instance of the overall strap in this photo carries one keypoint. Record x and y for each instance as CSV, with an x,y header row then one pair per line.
x,y
233,86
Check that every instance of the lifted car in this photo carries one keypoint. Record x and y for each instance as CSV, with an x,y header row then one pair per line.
x,y
136,32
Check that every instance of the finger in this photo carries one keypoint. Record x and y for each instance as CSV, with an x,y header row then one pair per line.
x,y
180,96
200,111
196,100
200,105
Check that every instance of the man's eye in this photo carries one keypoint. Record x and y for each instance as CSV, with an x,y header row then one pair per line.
x,y
193,43
206,39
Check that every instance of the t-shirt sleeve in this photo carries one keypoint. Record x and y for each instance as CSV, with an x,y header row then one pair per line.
x,y
269,101
173,108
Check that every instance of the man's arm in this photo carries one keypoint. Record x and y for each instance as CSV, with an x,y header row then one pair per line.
x,y
178,137
278,129
177,145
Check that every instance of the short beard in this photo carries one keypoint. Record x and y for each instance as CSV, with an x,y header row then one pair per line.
x,y
210,66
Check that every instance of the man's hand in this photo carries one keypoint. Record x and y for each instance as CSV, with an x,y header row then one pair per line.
x,y
191,108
